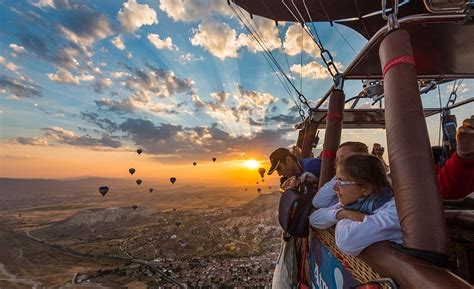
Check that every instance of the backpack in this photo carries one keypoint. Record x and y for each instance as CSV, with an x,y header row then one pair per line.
x,y
293,212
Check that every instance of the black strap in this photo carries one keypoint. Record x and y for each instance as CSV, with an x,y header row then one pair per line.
x,y
437,259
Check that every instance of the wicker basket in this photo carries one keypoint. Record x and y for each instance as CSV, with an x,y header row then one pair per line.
x,y
360,270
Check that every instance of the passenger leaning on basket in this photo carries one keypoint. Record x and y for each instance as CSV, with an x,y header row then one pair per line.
x,y
326,196
366,211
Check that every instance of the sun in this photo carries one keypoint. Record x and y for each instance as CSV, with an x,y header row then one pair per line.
x,y
251,164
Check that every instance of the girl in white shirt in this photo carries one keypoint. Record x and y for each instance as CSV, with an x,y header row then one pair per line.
x,y
366,212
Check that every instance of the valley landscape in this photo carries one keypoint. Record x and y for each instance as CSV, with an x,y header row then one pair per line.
x,y
63,233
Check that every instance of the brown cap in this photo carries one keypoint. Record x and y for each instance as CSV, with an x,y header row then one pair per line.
x,y
276,157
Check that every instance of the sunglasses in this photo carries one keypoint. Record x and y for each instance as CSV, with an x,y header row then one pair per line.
x,y
341,184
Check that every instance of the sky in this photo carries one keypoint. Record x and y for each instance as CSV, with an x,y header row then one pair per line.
x,y
83,84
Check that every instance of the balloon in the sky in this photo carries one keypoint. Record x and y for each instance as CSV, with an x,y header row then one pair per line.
x,y
262,171
194,163
131,171
138,182
256,183
259,190
214,159
151,190
172,180
134,207
245,189
183,243
103,190
269,187
139,151
263,180
177,223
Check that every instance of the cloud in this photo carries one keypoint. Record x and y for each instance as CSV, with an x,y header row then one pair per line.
x,y
220,96
267,32
313,70
17,49
188,57
36,141
462,88
292,44
101,84
191,10
283,120
117,41
118,106
219,39
175,142
157,82
19,89
133,15
64,76
63,136
44,3
102,122
166,43
84,27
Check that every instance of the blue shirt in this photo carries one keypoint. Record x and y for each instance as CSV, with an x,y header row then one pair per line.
x,y
312,165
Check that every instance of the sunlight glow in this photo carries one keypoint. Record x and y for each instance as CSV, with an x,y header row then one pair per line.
x,y
251,164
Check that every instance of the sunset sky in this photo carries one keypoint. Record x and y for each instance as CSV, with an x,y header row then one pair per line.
x,y
83,84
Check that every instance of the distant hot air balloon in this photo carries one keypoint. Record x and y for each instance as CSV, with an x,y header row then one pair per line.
x,y
138,182
172,180
269,187
103,190
263,180
139,151
131,171
256,183
151,190
183,243
174,209
259,190
177,223
194,163
262,171
245,189
134,207
214,159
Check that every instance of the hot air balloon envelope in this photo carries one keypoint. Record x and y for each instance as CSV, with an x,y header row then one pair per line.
x,y
139,181
103,190
259,190
139,151
194,163
261,171
214,159
134,207
151,190
131,171
172,180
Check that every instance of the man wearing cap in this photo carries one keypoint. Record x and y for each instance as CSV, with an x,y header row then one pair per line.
x,y
295,171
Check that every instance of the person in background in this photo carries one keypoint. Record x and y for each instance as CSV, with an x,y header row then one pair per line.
x,y
294,171
378,150
326,196
456,177
366,212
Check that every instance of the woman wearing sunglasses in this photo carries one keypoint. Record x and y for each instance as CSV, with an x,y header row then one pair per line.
x,y
366,211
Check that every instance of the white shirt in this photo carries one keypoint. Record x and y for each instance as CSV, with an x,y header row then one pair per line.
x,y
326,196
352,236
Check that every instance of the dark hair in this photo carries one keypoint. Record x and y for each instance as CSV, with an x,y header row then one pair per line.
x,y
367,169
356,146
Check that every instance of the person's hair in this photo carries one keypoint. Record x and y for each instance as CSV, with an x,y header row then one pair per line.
x,y
356,146
367,169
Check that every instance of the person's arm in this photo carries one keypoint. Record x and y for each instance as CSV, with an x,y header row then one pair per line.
x,y
456,177
326,196
325,217
352,236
